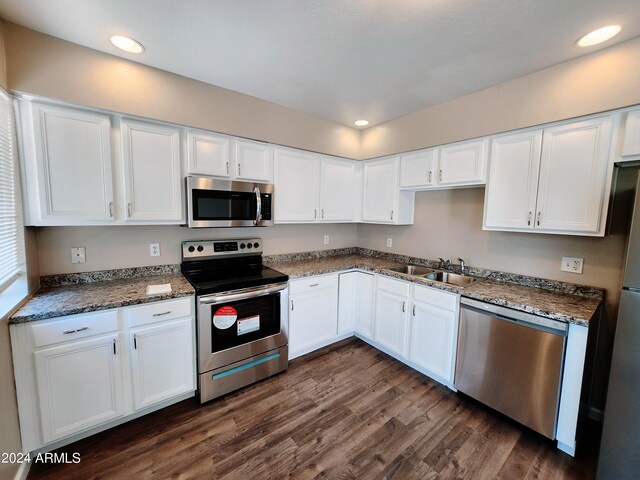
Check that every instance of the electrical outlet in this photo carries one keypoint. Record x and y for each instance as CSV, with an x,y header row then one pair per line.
x,y
389,242
572,264
78,255
154,249
326,239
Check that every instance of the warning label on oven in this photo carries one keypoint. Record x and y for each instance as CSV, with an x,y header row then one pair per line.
x,y
225,317
249,324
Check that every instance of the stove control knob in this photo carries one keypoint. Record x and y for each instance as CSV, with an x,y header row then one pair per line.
x,y
256,245
191,249
249,245
242,245
200,248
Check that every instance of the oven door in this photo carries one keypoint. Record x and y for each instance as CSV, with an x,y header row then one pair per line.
x,y
236,325
223,203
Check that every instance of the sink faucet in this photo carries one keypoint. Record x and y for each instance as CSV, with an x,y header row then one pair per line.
x,y
444,264
462,268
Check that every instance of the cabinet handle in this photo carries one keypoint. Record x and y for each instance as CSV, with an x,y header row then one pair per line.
x,y
392,215
162,313
292,305
538,221
430,176
529,219
440,177
315,213
111,209
67,332
404,307
227,168
114,347
135,343
238,168
129,209
414,310
322,213
314,284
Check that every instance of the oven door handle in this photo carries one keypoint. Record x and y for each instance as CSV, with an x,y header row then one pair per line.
x,y
258,205
243,294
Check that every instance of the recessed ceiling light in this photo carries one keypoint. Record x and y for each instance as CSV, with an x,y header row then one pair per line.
x,y
127,44
600,35
361,123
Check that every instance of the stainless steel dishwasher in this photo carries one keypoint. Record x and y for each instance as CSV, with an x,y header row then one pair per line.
x,y
511,361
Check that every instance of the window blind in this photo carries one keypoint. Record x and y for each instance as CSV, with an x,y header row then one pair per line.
x,y
12,256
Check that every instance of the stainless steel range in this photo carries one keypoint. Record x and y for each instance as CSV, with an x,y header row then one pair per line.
x,y
242,315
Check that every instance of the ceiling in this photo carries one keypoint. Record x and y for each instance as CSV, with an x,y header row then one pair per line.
x,y
341,60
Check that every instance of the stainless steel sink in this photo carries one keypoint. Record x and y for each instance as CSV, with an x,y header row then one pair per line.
x,y
413,270
451,278
436,275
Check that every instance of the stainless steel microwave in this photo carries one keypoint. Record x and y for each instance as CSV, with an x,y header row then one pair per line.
x,y
223,203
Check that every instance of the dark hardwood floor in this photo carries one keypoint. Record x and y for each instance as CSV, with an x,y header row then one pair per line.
x,y
347,411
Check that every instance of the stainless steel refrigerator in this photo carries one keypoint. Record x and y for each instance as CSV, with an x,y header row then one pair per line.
x,y
620,447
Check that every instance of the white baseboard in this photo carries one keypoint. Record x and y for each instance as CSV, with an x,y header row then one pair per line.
x,y
23,471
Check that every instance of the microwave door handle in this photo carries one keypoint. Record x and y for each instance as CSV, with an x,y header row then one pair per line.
x,y
258,205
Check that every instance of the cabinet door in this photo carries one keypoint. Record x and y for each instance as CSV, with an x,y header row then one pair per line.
x,y
313,320
390,321
296,183
417,169
573,171
337,190
208,154
162,361
631,132
380,191
431,340
153,183
254,161
512,185
79,385
363,305
346,302
73,155
463,163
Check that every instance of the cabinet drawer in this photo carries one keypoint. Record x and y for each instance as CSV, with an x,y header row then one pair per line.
x,y
437,298
309,284
158,311
393,286
74,327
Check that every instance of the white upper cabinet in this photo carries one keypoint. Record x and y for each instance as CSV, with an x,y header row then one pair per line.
x,y
573,170
253,161
68,165
338,192
450,166
382,201
463,163
418,169
152,176
568,168
296,185
510,197
208,154
631,134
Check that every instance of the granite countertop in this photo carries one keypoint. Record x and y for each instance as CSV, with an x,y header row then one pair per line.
x,y
556,300
82,294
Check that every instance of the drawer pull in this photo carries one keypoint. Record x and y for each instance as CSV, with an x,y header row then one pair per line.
x,y
314,284
162,313
81,329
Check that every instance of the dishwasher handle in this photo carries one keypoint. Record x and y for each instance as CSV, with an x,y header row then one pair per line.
x,y
529,320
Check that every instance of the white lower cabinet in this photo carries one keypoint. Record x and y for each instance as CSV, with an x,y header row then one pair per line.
x,y
79,385
80,374
391,314
162,361
313,313
432,338
355,307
